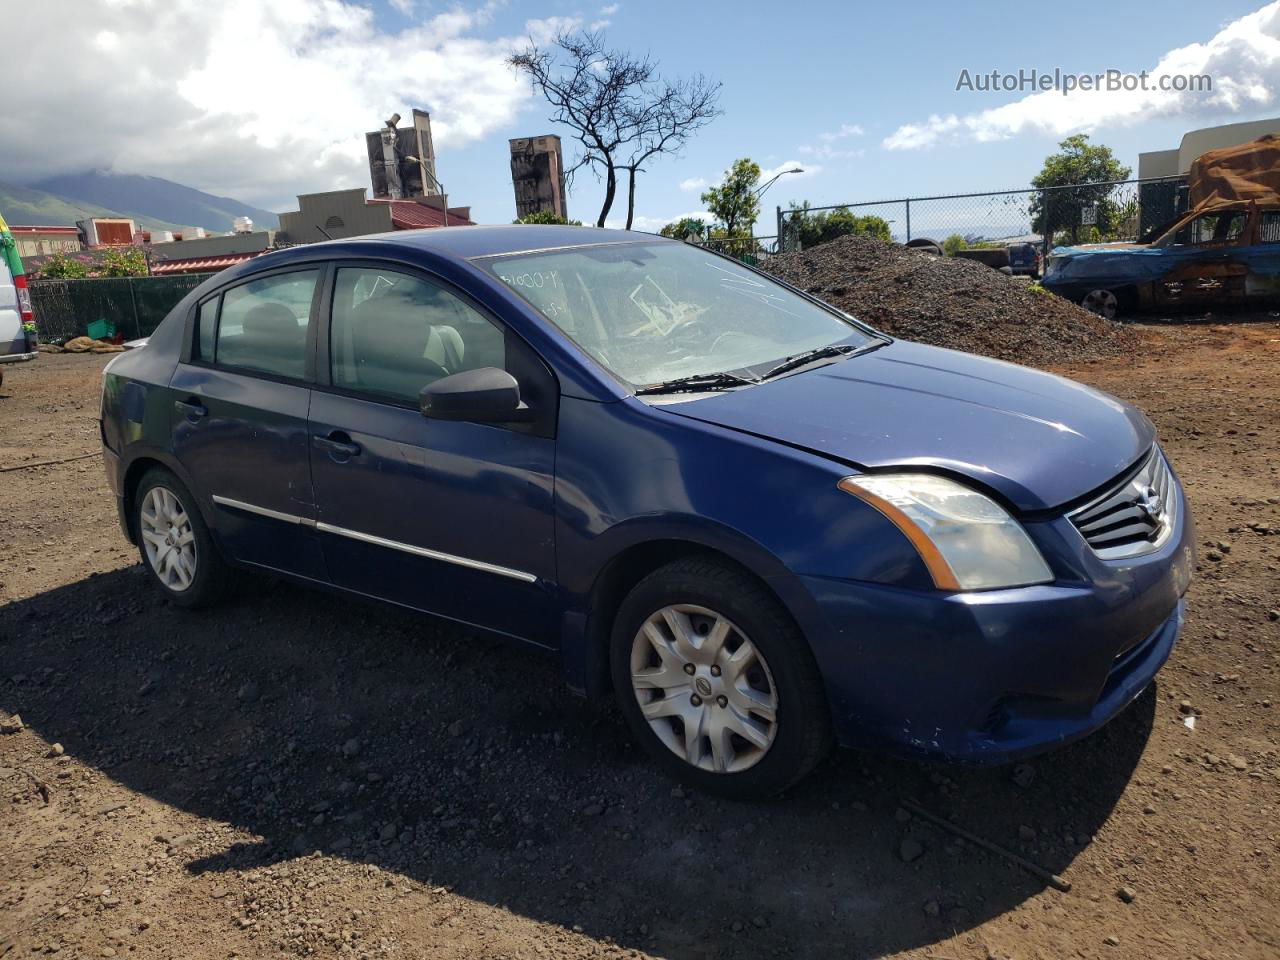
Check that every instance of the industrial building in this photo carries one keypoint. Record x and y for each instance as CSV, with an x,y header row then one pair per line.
x,y
38,241
347,213
402,160
537,174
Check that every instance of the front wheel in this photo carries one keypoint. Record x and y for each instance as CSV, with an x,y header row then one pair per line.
x,y
716,681
175,543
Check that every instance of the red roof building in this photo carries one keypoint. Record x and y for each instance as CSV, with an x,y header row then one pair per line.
x,y
338,214
201,264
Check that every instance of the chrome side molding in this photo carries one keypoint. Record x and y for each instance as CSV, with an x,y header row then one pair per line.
x,y
377,541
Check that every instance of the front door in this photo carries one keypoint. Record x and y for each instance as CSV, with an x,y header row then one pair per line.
x,y
448,517
1205,261
239,423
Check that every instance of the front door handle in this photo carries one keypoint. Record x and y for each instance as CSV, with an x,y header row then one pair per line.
x,y
191,408
337,444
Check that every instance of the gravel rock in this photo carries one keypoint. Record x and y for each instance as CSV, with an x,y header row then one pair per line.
x,y
1127,894
1024,774
11,724
910,849
948,302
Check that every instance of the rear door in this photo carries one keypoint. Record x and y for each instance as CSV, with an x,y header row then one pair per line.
x,y
448,517
239,423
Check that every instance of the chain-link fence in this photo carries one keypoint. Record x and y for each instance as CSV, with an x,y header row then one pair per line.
x,y
1083,213
754,251
107,307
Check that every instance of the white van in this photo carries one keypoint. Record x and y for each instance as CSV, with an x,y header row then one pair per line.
x,y
15,309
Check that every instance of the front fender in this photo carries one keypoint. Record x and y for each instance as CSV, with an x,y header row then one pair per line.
x,y
628,474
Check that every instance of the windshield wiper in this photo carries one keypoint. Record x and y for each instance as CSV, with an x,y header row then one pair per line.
x,y
818,353
696,383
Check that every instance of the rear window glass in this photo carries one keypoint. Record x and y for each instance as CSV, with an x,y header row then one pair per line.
x,y
1269,228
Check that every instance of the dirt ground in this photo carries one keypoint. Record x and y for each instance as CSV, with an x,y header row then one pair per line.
x,y
300,774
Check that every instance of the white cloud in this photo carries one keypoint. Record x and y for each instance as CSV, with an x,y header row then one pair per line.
x,y
694,183
1243,59
253,100
603,18
806,170
846,130
407,7
654,224
827,149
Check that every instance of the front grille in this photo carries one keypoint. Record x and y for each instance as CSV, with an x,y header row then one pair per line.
x,y
1134,517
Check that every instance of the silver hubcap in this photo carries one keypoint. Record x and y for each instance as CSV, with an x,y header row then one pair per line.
x,y
1102,302
168,538
704,688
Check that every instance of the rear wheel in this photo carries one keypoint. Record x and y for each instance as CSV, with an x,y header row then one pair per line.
x,y
1104,303
716,681
175,543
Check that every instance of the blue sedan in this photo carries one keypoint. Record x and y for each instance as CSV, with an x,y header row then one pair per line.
x,y
762,525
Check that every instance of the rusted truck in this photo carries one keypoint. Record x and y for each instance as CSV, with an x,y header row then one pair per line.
x,y
1224,250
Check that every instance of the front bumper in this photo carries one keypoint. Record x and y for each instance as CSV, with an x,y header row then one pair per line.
x,y
994,676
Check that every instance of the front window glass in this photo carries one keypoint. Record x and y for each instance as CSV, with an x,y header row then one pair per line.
x,y
655,312
392,334
1220,227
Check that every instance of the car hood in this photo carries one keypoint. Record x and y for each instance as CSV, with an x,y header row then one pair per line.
x,y
1036,439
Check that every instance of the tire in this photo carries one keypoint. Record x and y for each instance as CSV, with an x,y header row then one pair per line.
x,y
718,606
202,580
1105,303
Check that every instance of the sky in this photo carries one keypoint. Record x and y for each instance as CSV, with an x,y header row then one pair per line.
x,y
264,100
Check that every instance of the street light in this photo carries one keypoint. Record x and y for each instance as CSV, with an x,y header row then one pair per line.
x,y
760,193
422,166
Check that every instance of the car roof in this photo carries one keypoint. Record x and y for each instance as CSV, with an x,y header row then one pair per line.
x,y
469,242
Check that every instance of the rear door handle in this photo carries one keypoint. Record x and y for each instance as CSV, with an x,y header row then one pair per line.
x,y
192,409
337,443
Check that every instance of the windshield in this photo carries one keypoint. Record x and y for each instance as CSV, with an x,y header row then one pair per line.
x,y
655,312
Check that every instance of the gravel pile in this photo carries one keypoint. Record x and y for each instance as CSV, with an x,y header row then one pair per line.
x,y
947,302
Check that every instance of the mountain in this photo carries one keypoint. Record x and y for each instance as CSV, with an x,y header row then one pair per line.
x,y
25,206
150,200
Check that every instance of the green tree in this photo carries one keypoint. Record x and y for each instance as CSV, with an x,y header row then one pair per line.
x,y
547,216
954,244
812,229
734,203
685,228
123,262
1080,171
61,267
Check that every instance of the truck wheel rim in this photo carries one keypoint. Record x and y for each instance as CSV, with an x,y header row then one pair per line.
x,y
1103,303
704,688
168,539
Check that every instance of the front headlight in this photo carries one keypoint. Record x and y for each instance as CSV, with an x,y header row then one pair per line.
x,y
966,539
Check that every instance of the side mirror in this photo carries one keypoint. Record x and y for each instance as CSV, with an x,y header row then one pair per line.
x,y
485,395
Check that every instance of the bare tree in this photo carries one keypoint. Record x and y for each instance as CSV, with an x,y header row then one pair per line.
x,y
663,123
620,110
